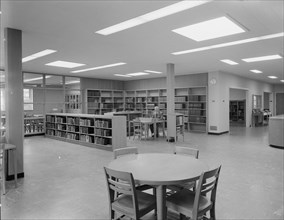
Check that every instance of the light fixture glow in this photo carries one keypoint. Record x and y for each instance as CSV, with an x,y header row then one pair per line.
x,y
163,12
263,58
256,71
231,62
35,79
37,55
64,64
232,43
72,82
206,30
282,80
151,71
272,77
137,74
98,67
122,75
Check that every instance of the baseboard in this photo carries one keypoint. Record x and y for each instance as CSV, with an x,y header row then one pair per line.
x,y
224,132
11,177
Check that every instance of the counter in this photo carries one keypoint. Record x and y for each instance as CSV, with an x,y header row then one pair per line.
x,y
276,131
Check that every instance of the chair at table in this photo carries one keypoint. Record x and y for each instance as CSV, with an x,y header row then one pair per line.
x,y
130,202
132,150
4,146
138,129
189,152
196,204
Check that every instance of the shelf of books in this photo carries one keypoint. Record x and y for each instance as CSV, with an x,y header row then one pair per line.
x,y
99,131
33,125
197,107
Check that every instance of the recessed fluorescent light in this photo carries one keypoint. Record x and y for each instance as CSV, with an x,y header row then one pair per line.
x,y
137,74
98,67
272,77
206,30
64,64
282,80
37,55
229,62
160,13
232,43
256,71
122,75
256,59
35,79
151,71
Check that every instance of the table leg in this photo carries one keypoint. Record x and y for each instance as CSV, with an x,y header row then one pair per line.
x,y
155,130
161,202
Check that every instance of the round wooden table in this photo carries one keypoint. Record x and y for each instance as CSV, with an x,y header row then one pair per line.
x,y
160,170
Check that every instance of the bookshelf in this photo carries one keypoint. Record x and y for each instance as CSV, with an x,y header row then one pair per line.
x,y
34,125
237,110
197,109
72,103
99,131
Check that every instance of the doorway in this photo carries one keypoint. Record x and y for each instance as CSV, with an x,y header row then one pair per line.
x,y
279,103
237,107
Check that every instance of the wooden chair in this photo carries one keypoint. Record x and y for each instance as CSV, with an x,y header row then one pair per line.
x,y
190,185
130,202
4,147
124,151
137,129
196,204
132,150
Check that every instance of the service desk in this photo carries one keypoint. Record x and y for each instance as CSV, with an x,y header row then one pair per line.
x,y
276,131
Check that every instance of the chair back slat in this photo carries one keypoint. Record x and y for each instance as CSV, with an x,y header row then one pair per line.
x,y
123,151
187,151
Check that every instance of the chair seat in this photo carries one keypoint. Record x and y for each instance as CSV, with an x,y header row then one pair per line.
x,y
124,203
183,201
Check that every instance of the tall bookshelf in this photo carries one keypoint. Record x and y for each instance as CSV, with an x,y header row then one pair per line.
x,y
237,110
197,109
100,131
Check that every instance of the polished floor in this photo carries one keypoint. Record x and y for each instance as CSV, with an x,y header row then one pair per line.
x,y
66,181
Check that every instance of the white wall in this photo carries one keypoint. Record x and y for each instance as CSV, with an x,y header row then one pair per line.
x,y
219,97
237,94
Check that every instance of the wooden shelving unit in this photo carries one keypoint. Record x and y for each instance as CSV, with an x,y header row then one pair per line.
x,y
191,102
34,125
100,131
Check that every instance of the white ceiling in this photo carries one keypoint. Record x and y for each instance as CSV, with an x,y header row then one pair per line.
x,y
69,27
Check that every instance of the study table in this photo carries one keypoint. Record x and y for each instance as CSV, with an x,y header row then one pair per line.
x,y
160,170
146,122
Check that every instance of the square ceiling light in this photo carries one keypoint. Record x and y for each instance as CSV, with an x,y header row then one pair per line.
x,y
256,71
64,64
206,30
272,77
38,55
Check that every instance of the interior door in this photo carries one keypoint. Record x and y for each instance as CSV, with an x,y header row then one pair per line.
x,y
279,103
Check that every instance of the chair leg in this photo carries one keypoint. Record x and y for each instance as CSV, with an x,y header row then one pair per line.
x,y
212,213
15,167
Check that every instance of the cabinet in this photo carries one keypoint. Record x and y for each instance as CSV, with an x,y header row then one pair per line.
x,y
34,125
100,131
237,110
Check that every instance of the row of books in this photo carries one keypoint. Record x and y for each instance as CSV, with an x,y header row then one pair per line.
x,y
197,98
180,106
86,130
93,105
50,132
50,118
102,132
94,93
87,138
102,141
73,120
86,122
60,120
103,123
197,112
196,105
180,99
72,128
33,128
50,125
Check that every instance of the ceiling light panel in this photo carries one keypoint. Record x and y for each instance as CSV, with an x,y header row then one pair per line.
x,y
121,75
38,55
272,77
256,71
64,64
152,71
282,80
206,30
263,58
137,74
231,62
232,43
160,13
99,67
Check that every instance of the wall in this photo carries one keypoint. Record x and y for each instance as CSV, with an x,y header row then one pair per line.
x,y
219,97
182,81
237,94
